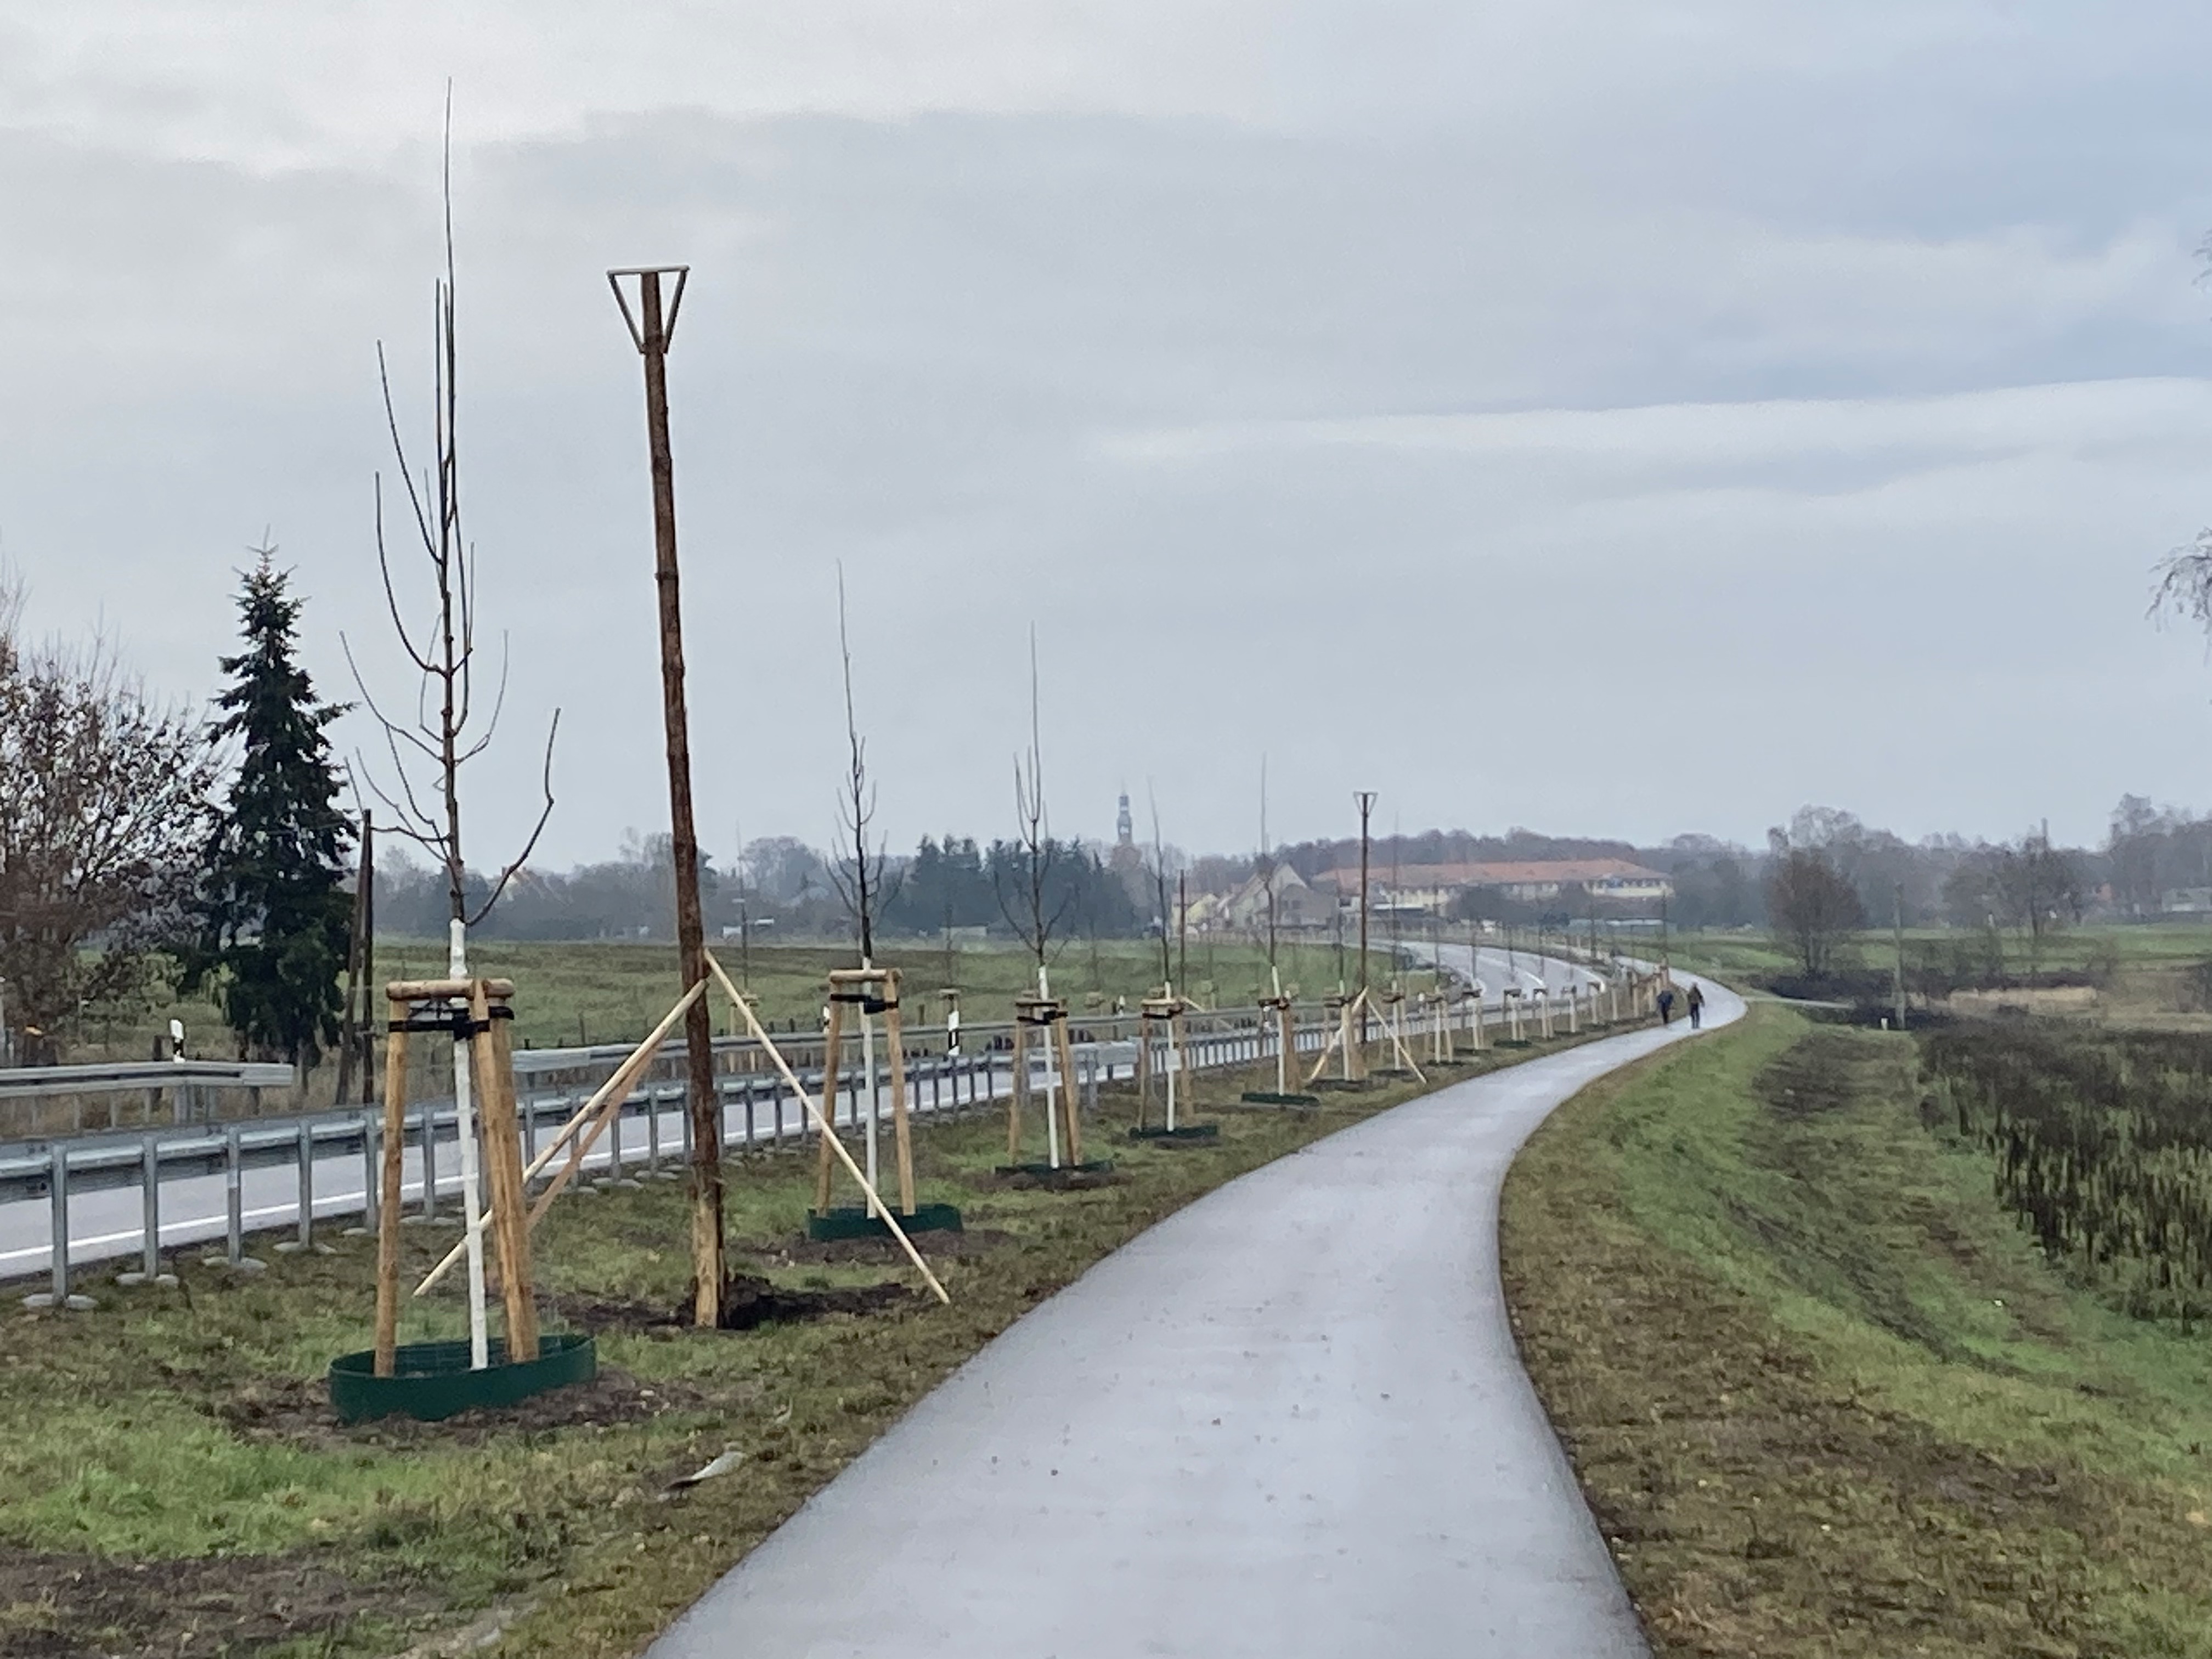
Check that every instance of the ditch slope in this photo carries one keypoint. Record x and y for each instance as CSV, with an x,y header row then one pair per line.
x,y
1825,1394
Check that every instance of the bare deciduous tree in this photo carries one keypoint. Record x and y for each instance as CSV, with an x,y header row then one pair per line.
x,y
2184,587
105,805
1813,908
2041,889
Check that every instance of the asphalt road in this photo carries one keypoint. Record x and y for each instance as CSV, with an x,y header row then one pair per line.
x,y
106,1223
1290,1420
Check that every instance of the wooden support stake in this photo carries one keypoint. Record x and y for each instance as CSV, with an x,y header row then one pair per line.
x,y
901,1135
1398,1045
1144,1068
388,1209
1068,1103
616,1088
494,1053
833,1053
875,1201
445,990
1339,1043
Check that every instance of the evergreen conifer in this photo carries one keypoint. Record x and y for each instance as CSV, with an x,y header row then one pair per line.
x,y
275,916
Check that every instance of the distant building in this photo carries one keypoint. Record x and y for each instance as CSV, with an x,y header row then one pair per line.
x,y
1296,904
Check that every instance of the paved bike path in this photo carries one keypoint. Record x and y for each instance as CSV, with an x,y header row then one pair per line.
x,y
1289,1420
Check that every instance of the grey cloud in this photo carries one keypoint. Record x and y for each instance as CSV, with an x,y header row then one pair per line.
x,y
1654,269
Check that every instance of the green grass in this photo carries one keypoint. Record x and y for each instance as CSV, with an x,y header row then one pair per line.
x,y
1753,955
603,993
1824,1396
607,992
167,1466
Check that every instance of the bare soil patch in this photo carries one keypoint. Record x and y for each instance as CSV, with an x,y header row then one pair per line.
x,y
80,1606
797,1249
297,1412
748,1302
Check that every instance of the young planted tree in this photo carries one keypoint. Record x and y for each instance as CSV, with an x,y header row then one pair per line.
x,y
105,803
1032,909
860,883
274,915
1161,909
429,751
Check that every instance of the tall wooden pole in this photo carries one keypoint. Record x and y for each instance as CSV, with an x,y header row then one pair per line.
x,y
652,330
360,1016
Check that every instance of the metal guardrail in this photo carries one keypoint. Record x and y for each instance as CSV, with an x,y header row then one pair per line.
x,y
42,1082
758,1111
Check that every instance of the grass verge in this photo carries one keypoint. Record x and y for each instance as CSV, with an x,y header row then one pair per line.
x,y
1823,1395
172,1481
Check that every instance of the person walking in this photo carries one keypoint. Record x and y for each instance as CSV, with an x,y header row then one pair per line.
x,y
1694,1004
1666,1004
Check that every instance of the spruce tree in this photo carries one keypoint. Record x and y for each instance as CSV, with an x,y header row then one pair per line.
x,y
274,914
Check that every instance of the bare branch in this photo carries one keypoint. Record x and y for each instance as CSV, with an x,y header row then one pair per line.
x,y
538,830
400,449
2184,587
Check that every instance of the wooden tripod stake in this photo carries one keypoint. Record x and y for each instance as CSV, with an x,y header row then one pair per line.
x,y
1278,1006
1044,1019
1162,1013
481,1022
872,991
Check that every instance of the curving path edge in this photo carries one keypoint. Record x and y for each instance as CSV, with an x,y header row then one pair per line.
x,y
1291,1419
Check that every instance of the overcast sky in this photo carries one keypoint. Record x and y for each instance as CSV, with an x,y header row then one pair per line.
x,y
1613,416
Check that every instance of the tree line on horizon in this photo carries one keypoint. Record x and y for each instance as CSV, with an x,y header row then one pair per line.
x,y
146,847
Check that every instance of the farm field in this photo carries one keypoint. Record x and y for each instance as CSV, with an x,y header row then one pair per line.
x,y
2145,975
612,992
173,1483
1827,1393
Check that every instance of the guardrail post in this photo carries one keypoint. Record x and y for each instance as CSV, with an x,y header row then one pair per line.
x,y
234,1182
150,1176
307,1150
652,1130
57,1198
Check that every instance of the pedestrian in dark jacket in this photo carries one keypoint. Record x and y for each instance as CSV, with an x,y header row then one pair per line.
x,y
1695,1003
1667,1006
